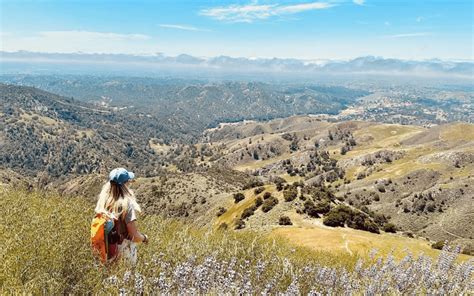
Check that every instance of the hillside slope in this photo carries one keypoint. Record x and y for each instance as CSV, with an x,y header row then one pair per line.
x,y
70,137
421,178
183,259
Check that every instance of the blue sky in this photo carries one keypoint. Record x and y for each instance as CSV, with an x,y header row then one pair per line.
x,y
288,29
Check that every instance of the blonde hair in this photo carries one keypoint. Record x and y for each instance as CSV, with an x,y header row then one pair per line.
x,y
115,199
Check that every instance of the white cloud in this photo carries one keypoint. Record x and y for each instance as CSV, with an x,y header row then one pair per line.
x,y
409,35
251,12
182,27
74,41
92,35
297,8
359,2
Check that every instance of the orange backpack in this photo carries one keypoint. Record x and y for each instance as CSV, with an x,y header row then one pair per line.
x,y
105,237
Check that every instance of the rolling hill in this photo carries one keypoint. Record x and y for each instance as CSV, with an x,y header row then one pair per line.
x,y
421,178
369,179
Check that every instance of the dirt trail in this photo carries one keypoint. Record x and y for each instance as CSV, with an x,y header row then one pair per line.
x,y
442,228
346,244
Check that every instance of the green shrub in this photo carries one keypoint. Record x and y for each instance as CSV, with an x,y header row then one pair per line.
x,y
252,184
431,207
258,202
438,245
323,207
279,186
380,187
370,226
269,203
267,195
258,190
334,220
278,181
379,219
342,215
338,216
285,220
238,197
239,224
310,209
221,211
248,212
390,227
290,195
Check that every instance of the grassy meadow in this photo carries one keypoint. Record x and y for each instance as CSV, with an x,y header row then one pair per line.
x,y
45,250
45,247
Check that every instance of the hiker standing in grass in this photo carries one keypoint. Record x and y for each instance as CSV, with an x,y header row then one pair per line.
x,y
118,208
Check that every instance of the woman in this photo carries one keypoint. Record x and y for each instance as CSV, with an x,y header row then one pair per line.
x,y
118,201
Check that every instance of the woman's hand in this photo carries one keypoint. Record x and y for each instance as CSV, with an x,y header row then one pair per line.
x,y
133,232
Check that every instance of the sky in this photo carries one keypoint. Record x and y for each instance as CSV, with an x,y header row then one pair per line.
x,y
313,30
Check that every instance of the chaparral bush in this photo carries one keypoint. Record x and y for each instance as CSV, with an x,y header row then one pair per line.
x,y
284,220
258,190
269,203
45,250
238,197
290,194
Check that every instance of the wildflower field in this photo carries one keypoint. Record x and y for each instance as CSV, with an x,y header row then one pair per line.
x,y
45,250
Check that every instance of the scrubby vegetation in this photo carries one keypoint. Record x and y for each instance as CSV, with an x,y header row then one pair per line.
x,y
248,212
239,224
284,220
258,190
252,184
344,215
269,203
390,227
310,209
239,196
438,245
53,256
290,194
267,195
221,211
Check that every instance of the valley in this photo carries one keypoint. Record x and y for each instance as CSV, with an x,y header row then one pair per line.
x,y
410,179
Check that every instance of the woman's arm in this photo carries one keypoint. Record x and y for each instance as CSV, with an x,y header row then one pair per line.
x,y
135,235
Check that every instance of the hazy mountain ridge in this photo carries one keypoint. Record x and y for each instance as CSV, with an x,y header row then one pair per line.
x,y
360,65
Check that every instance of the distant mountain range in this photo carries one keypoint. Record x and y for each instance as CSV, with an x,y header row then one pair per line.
x,y
362,65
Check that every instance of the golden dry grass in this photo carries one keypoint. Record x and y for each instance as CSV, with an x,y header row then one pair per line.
x,y
234,210
458,132
353,241
41,119
45,248
159,148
